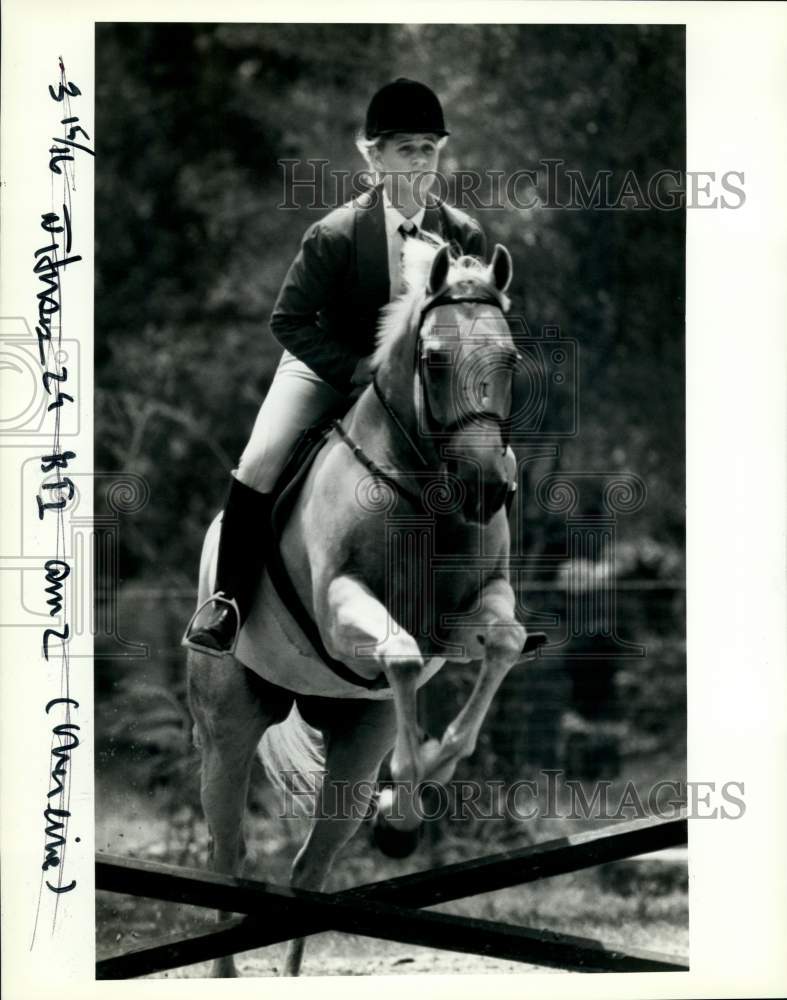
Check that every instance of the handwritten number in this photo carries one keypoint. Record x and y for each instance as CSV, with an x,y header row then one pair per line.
x,y
63,91
72,132
48,269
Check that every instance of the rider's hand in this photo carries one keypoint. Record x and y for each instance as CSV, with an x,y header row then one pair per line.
x,y
362,375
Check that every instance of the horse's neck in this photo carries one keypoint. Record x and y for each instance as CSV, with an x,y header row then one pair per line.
x,y
398,449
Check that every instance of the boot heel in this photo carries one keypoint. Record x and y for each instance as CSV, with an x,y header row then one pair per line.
x,y
220,599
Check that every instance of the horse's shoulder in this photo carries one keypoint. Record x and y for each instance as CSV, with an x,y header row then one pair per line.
x,y
337,484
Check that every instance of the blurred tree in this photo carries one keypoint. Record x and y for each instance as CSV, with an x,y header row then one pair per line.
x,y
192,121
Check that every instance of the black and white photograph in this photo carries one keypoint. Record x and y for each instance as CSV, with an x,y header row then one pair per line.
x,y
477,576
381,452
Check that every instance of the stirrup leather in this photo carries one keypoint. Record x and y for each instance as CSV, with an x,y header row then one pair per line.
x,y
217,598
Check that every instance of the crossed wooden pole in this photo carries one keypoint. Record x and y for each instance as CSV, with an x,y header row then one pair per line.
x,y
391,909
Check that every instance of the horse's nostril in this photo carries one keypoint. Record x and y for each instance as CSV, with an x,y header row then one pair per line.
x,y
494,497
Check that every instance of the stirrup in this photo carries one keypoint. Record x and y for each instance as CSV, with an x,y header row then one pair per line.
x,y
217,598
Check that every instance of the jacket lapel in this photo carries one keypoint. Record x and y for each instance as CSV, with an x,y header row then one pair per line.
x,y
371,247
433,220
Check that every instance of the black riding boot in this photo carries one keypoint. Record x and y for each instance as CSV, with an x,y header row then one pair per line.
x,y
239,566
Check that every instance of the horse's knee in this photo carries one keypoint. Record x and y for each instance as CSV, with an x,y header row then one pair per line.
x,y
404,670
504,645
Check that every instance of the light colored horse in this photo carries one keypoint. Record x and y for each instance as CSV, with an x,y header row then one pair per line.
x,y
422,454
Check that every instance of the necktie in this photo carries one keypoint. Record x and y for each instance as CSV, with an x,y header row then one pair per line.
x,y
407,230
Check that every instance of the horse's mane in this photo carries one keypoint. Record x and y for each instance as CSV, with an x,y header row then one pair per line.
x,y
417,257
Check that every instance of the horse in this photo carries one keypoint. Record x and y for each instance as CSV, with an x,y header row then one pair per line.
x,y
424,445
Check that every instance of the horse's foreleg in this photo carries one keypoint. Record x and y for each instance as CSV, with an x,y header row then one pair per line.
x,y
359,629
229,722
497,639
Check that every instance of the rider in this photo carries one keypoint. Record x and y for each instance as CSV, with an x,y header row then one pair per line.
x,y
325,317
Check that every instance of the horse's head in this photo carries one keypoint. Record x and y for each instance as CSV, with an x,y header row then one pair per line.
x,y
445,363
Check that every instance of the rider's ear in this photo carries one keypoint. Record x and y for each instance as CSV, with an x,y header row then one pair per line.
x,y
439,271
501,269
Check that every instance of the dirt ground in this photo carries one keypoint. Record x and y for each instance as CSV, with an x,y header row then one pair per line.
x,y
332,955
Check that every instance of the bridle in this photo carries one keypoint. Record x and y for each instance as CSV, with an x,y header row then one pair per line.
x,y
451,295
447,295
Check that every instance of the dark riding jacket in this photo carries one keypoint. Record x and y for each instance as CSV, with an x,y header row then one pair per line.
x,y
327,310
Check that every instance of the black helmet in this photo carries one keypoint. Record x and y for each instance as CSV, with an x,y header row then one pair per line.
x,y
404,106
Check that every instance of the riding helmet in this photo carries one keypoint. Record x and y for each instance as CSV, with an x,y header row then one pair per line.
x,y
404,106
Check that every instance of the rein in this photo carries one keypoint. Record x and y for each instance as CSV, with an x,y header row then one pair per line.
x,y
372,466
396,421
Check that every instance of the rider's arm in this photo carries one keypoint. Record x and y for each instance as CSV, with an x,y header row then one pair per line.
x,y
315,277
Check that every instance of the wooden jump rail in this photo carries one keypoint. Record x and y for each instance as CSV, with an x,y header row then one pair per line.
x,y
390,909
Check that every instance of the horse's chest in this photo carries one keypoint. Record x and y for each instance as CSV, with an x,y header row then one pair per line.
x,y
428,575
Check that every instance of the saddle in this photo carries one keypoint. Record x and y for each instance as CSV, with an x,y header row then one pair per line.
x,y
286,492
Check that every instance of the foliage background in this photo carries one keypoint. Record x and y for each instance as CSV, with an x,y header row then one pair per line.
x,y
191,123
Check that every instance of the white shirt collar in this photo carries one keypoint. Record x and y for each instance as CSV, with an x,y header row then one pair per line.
x,y
394,218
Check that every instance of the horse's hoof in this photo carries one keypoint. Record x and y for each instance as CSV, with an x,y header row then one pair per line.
x,y
222,970
392,841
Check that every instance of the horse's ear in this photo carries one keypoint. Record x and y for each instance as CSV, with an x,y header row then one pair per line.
x,y
439,271
501,269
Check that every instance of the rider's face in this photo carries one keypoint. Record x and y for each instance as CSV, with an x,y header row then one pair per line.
x,y
408,161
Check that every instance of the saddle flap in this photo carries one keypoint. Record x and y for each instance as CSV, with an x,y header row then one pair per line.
x,y
286,493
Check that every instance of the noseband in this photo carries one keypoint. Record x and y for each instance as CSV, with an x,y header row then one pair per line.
x,y
451,295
